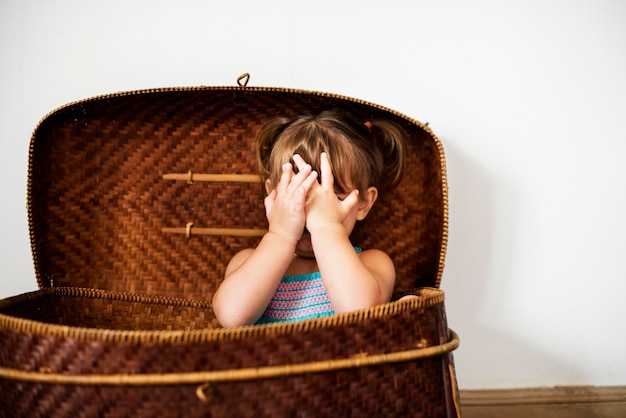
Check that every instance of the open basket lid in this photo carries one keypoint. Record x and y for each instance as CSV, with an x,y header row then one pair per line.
x,y
153,191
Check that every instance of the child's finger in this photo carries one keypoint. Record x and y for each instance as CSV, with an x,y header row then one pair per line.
x,y
303,166
285,178
327,172
305,172
351,200
300,163
309,181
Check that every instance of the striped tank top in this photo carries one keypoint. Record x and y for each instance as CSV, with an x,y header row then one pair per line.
x,y
298,298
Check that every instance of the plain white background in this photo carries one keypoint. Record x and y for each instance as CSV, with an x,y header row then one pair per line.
x,y
528,98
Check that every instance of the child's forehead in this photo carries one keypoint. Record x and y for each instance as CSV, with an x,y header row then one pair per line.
x,y
342,177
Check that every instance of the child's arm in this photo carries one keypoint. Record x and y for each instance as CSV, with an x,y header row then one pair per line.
x,y
250,281
252,276
352,281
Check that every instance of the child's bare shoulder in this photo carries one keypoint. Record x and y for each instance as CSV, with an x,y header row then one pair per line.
x,y
238,259
379,261
381,266
374,254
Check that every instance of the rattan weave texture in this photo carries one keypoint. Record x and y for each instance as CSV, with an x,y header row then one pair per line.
x,y
98,203
130,242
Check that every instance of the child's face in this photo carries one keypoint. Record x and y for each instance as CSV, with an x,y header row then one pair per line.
x,y
358,212
304,247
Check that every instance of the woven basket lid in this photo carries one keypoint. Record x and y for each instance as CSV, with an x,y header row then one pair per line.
x,y
117,197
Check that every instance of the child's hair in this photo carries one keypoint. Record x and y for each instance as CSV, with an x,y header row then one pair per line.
x,y
368,153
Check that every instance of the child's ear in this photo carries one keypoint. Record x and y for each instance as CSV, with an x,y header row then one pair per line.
x,y
366,202
268,186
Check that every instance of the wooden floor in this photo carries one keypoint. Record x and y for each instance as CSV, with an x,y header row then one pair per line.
x,y
559,402
546,411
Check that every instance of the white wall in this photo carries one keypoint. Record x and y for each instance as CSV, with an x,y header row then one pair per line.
x,y
528,97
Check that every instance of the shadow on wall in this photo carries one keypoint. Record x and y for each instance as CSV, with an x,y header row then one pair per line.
x,y
477,280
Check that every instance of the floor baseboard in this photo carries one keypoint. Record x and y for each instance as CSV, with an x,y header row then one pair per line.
x,y
544,396
554,402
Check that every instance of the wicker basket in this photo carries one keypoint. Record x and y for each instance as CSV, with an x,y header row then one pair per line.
x,y
137,201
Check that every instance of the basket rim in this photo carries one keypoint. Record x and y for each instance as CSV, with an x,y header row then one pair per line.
x,y
39,275
426,297
205,378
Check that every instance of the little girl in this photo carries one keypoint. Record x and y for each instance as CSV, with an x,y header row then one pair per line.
x,y
322,174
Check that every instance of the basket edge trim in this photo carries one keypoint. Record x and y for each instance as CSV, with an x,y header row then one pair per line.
x,y
233,375
426,297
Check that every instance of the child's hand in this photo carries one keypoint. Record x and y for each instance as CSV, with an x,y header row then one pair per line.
x,y
284,206
323,207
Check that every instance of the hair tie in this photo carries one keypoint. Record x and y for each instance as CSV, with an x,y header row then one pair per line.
x,y
368,124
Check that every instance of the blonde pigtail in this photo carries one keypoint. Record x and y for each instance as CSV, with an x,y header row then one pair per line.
x,y
265,140
391,140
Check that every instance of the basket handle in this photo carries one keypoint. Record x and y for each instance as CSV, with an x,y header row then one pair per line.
x,y
243,79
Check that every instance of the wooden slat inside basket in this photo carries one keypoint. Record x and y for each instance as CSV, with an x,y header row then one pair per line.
x,y
190,177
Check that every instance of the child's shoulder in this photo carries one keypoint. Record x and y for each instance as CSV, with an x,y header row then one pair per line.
x,y
379,263
238,259
243,253
378,260
373,253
